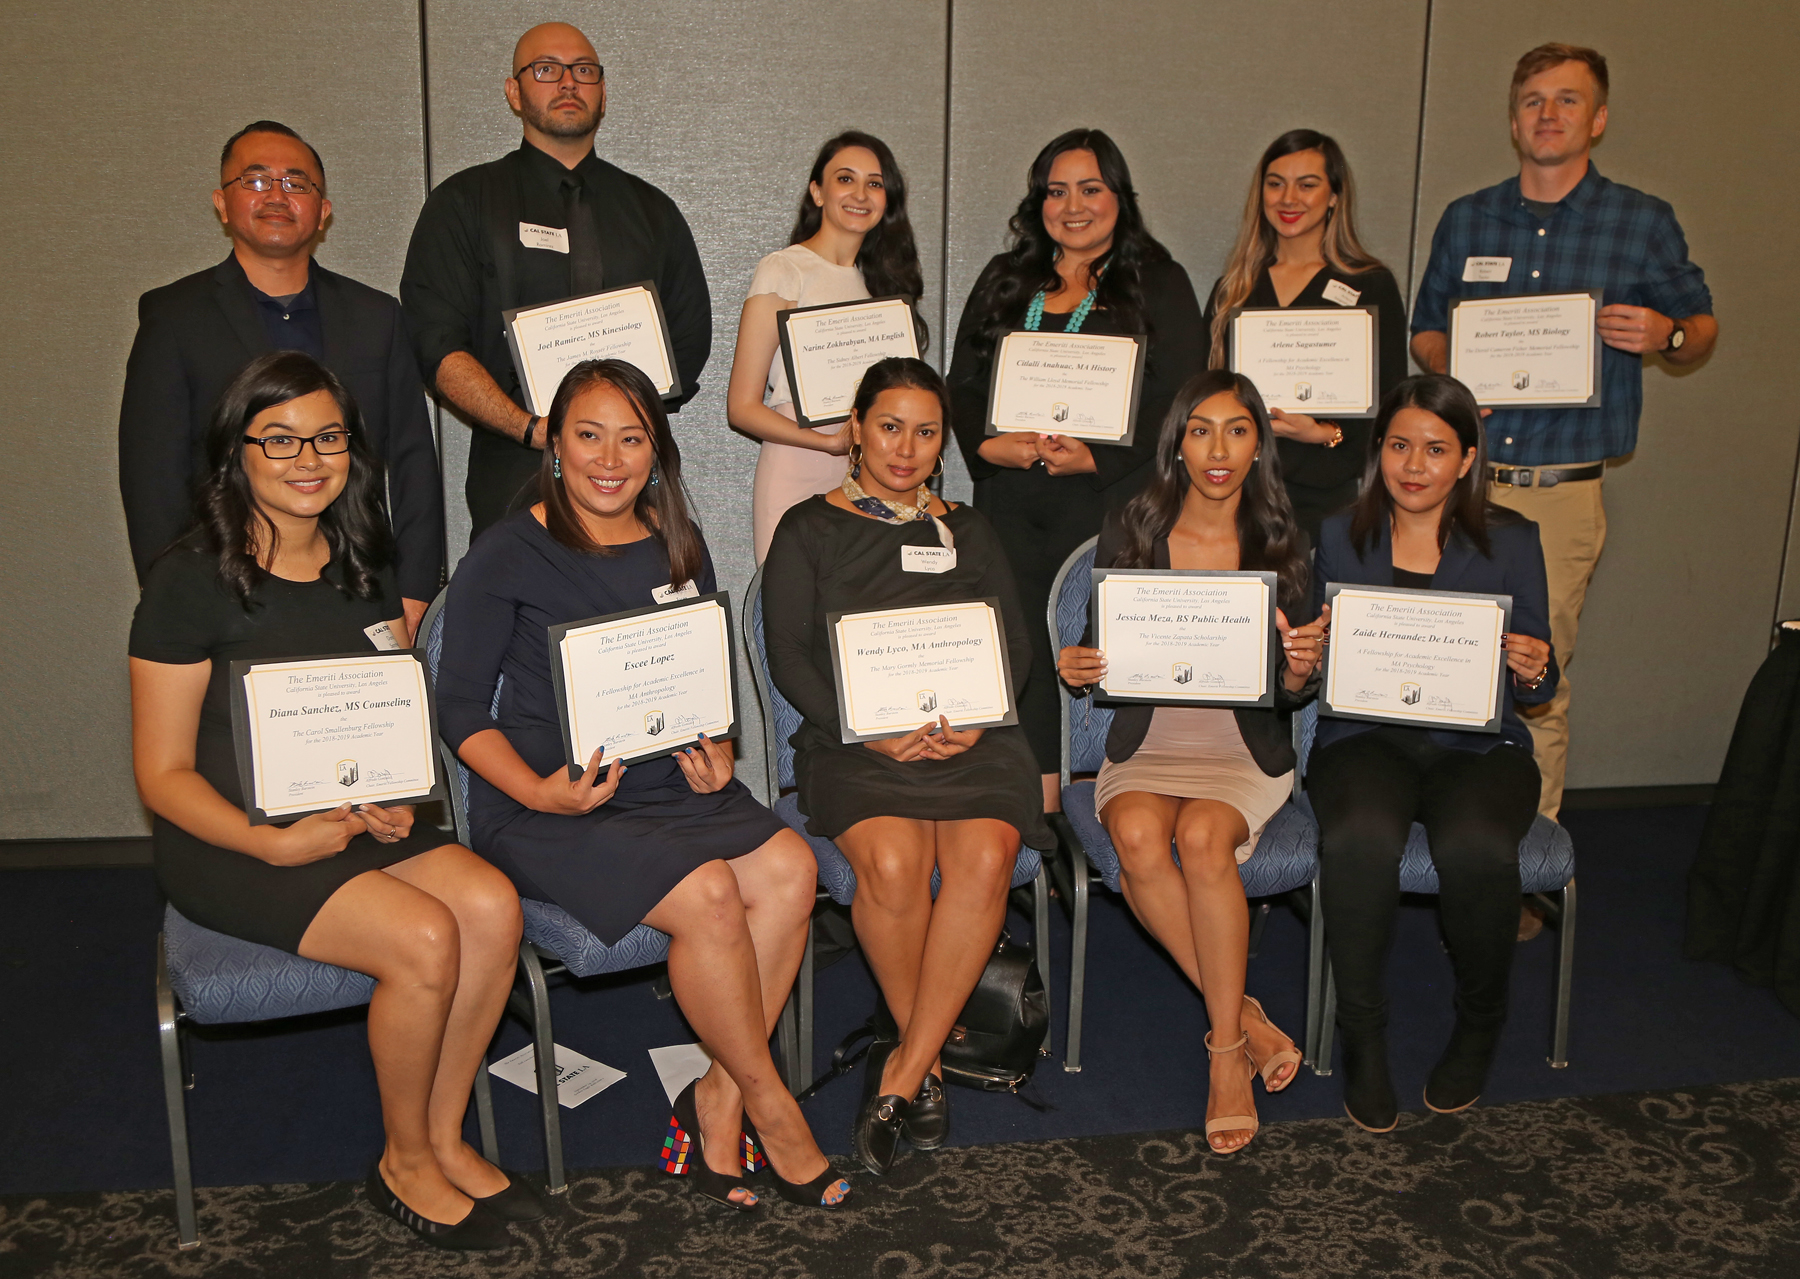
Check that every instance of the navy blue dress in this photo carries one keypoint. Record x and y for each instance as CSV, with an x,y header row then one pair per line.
x,y
610,867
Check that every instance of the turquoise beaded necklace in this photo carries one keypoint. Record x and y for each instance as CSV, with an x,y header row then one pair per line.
x,y
1034,314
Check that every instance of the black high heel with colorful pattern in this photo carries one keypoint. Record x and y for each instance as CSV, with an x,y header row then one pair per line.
x,y
808,1194
684,1154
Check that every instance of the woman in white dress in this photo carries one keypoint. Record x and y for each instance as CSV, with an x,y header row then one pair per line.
x,y
851,240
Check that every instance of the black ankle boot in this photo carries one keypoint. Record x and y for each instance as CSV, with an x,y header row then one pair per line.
x,y
1461,1073
1368,1088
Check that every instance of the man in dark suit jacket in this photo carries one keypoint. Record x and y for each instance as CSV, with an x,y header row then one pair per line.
x,y
196,334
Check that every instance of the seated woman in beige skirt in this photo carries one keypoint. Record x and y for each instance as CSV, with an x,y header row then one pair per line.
x,y
1207,779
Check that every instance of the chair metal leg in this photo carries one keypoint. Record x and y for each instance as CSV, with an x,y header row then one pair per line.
x,y
545,1046
1565,978
1315,978
1077,962
484,1114
1040,926
787,1041
805,1010
1259,918
168,1021
1327,1023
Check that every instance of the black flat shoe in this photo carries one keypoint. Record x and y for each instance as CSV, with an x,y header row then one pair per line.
x,y
808,1194
684,1154
1455,1083
520,1201
876,1134
927,1123
1368,1088
480,1231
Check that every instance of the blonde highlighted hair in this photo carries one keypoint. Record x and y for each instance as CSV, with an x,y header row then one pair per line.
x,y
1256,239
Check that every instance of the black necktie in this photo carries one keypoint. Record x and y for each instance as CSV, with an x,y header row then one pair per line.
x,y
585,274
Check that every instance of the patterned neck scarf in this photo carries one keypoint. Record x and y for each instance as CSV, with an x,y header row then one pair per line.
x,y
897,513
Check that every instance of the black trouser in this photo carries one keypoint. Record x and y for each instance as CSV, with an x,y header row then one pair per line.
x,y
1368,790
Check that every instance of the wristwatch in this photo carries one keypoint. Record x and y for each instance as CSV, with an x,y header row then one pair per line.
x,y
1677,337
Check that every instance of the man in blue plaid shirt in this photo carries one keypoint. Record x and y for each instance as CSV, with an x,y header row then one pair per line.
x,y
1560,227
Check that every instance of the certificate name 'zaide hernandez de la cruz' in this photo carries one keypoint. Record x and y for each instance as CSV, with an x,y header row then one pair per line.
x,y
1431,658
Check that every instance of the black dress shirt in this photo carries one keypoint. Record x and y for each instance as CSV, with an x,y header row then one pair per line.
x,y
291,323
467,264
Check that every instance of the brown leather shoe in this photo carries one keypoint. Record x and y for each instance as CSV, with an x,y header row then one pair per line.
x,y
1531,920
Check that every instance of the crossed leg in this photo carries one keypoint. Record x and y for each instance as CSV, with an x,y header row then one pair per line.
x,y
440,934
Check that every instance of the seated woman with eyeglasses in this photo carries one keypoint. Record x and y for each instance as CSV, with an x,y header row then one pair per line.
x,y
1423,521
677,843
1205,779
288,557
936,798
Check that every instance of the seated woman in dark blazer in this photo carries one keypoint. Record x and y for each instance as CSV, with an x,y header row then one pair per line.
x,y
1423,520
958,801
1297,247
1207,779
676,843
289,556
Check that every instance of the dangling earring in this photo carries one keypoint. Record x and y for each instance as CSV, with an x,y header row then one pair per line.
x,y
856,455
655,478
556,465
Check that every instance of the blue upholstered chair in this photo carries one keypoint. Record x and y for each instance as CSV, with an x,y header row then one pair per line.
x,y
210,979
780,722
1286,857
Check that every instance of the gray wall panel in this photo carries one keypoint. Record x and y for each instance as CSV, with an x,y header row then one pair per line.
x,y
1678,615
98,207
722,105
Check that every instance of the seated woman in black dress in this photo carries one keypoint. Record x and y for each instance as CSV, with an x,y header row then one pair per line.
x,y
1208,779
1423,520
675,843
289,558
956,801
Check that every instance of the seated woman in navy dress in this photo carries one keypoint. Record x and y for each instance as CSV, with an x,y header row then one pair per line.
x,y
958,801
289,557
1423,520
677,843
1208,779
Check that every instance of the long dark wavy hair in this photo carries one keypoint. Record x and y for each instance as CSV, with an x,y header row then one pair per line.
x,y
230,524
661,506
1467,508
889,257
1029,264
1269,538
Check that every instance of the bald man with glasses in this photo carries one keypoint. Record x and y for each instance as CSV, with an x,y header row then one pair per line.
x,y
195,335
548,221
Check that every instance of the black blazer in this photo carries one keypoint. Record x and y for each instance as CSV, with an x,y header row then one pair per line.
x,y
196,334
1515,568
1268,733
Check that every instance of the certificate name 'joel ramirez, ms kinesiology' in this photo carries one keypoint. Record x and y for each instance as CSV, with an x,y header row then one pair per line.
x,y
1425,657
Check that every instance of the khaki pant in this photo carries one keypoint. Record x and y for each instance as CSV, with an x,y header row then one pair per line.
x,y
1571,520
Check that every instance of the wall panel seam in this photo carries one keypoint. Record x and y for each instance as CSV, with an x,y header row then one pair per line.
x,y
944,193
1412,246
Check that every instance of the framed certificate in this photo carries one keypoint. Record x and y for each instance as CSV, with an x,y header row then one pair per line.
x,y
619,324
315,732
1178,638
828,348
1082,385
647,681
1324,361
898,668
1428,658
1538,351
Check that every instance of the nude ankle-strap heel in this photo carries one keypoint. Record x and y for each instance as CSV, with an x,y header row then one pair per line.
x,y
1232,1123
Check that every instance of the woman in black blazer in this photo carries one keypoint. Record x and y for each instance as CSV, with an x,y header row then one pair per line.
x,y
1207,779
1081,260
1297,247
1423,521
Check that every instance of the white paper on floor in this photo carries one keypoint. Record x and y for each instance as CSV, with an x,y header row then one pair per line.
x,y
679,1065
577,1078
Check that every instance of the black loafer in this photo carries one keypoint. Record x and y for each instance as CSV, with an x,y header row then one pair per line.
x,y
927,1122
520,1201
480,1231
876,1134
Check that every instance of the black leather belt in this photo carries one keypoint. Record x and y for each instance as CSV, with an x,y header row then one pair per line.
x,y
1544,477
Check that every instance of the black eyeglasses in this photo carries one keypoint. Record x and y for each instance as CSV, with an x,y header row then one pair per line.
x,y
282,448
549,71
260,182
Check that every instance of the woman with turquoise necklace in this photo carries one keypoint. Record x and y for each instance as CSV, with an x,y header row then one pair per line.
x,y
1081,261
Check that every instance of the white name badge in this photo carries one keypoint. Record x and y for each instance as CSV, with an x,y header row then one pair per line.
x,y
927,559
1486,270
382,636
554,238
669,594
1341,293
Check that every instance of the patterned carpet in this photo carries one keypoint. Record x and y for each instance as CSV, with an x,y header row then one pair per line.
x,y
1700,1182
